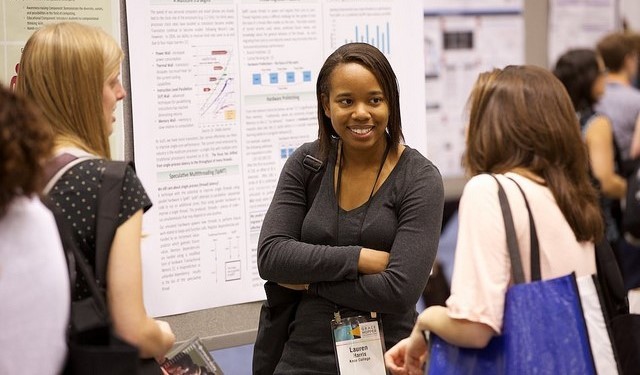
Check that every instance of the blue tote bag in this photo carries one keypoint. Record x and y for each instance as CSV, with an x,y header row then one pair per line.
x,y
544,330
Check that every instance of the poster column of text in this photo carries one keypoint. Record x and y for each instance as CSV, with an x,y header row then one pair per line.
x,y
196,145
281,54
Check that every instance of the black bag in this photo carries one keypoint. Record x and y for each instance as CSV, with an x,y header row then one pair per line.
x,y
276,314
93,346
279,309
631,214
625,327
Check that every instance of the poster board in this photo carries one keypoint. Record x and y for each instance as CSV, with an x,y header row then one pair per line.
x,y
579,24
20,18
222,94
463,39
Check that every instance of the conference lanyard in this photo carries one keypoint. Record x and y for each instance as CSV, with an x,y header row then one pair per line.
x,y
366,207
358,341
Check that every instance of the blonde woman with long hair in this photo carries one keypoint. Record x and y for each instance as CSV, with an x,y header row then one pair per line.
x,y
72,73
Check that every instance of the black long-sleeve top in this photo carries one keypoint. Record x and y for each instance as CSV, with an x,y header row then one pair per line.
x,y
404,218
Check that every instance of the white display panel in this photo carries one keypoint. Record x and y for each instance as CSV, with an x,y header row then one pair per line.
x,y
461,40
20,18
579,24
222,93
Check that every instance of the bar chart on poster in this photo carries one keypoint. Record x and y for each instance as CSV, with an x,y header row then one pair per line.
x,y
376,35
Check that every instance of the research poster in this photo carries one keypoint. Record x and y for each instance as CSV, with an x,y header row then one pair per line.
x,y
579,24
461,40
20,18
222,93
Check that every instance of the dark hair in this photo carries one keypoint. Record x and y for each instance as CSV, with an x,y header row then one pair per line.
x,y
25,144
578,69
521,116
373,60
614,48
634,37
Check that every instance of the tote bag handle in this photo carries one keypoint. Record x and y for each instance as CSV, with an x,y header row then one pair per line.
x,y
512,241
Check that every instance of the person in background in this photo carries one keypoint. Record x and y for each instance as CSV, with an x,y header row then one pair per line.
x,y
367,241
522,126
582,73
621,103
72,73
635,38
34,279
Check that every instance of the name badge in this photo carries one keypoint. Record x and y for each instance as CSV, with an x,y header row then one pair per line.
x,y
359,345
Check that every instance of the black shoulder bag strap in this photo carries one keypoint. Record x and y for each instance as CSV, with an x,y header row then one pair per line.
x,y
512,241
610,278
108,211
76,259
536,275
312,177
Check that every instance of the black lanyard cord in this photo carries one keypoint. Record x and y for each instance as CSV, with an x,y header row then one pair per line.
x,y
373,188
